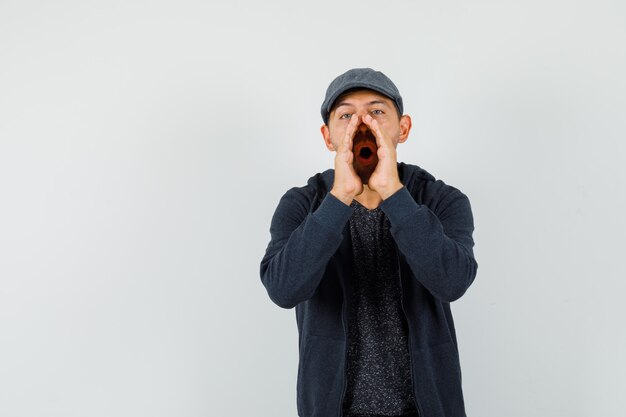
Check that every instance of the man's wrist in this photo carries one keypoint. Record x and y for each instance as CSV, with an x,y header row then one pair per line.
x,y
341,197
388,192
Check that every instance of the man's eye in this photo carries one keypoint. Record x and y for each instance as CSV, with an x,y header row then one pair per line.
x,y
345,116
377,111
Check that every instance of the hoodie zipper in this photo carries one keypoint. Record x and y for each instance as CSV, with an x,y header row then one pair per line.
x,y
419,410
345,358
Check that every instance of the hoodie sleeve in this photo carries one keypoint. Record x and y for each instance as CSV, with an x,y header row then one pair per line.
x,y
437,249
301,246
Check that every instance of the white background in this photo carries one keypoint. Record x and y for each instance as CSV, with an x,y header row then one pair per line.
x,y
144,146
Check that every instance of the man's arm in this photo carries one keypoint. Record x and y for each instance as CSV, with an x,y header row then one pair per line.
x,y
301,246
438,249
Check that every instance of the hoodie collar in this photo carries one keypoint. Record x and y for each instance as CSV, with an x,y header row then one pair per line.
x,y
408,173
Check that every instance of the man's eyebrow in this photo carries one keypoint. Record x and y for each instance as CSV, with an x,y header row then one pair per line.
x,y
344,103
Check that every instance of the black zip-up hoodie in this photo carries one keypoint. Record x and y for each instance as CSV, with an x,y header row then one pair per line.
x,y
308,265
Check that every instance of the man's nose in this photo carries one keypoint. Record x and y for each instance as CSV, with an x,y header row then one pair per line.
x,y
362,127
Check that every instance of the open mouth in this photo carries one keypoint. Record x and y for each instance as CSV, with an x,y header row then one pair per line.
x,y
365,152
365,147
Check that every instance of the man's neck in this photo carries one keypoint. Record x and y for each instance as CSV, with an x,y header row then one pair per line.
x,y
369,198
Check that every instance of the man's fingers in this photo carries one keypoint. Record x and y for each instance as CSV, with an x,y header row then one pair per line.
x,y
350,131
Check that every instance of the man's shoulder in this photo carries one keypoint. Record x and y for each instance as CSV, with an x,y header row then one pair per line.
x,y
318,184
304,196
426,188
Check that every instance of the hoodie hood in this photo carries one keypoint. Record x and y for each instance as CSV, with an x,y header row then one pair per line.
x,y
322,182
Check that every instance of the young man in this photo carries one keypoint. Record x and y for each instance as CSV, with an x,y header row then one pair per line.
x,y
371,254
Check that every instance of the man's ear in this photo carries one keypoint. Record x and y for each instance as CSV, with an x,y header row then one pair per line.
x,y
326,134
405,128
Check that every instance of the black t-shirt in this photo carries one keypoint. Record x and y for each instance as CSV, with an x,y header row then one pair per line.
x,y
378,368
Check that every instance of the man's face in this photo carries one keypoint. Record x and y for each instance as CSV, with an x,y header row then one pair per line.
x,y
382,109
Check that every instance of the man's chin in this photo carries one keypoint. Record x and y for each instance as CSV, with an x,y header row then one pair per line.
x,y
365,174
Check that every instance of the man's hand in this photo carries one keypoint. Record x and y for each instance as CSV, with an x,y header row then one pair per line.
x,y
347,183
384,180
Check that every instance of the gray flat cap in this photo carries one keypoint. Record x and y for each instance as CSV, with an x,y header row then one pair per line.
x,y
360,78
